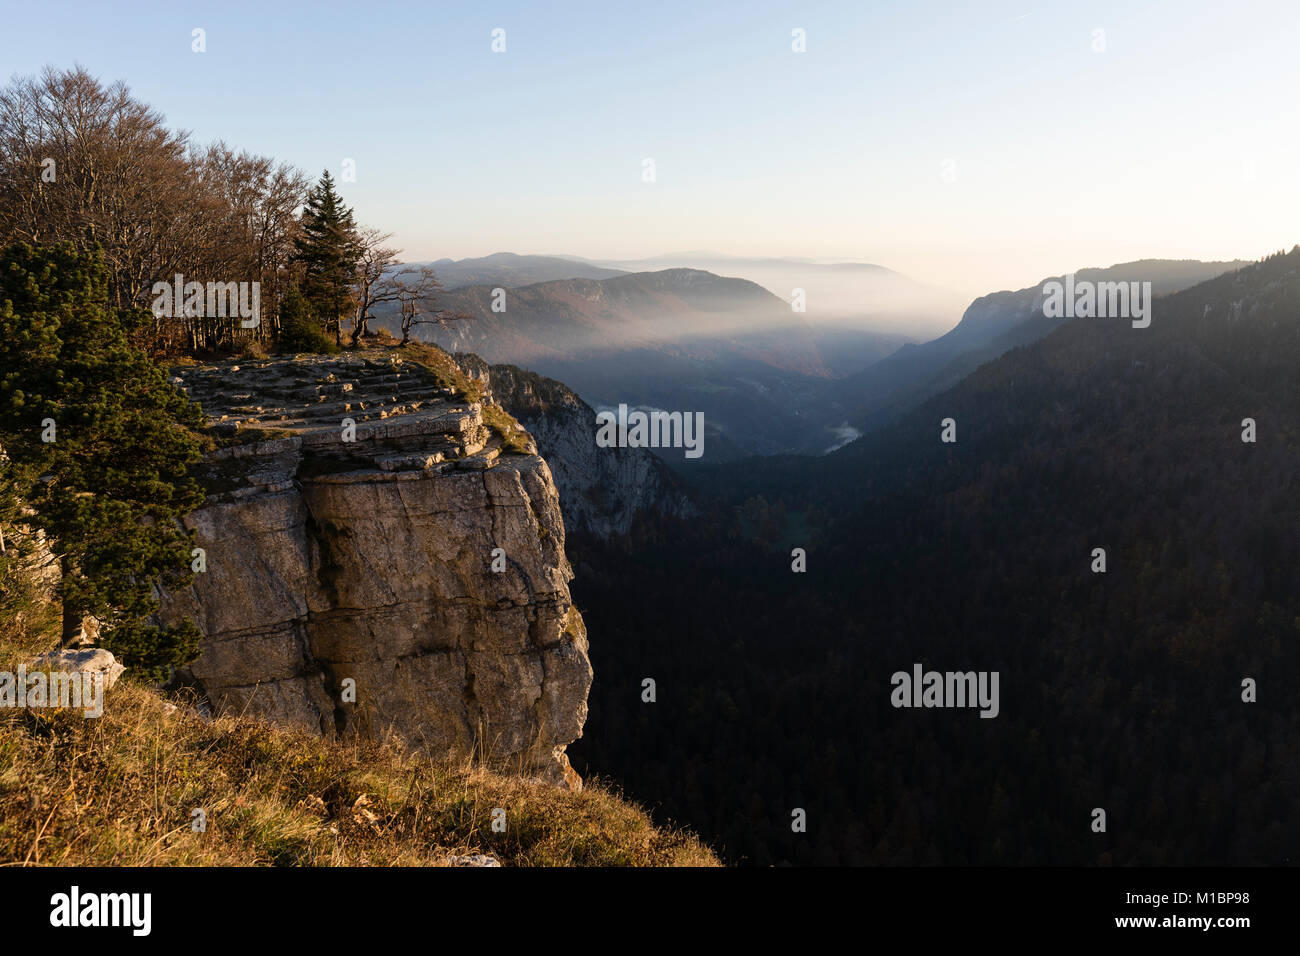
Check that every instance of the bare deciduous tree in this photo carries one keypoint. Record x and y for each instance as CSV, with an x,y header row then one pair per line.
x,y
88,163
382,279
418,301
374,283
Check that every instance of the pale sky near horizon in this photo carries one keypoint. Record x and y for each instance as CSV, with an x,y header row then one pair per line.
x,y
1179,139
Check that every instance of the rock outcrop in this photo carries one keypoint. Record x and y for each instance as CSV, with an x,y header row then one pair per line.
x,y
379,560
90,660
602,490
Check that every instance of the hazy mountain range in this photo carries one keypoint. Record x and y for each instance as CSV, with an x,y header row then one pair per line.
x,y
768,379
855,294
677,339
859,295
510,270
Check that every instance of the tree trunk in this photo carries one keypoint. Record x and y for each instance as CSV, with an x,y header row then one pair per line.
x,y
360,329
71,626
72,616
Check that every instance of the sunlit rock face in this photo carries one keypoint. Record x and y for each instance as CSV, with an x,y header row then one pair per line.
x,y
379,562
602,490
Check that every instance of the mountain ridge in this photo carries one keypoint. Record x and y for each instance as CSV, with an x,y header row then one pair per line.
x,y
991,325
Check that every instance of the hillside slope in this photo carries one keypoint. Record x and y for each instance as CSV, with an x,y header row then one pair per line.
x,y
990,326
122,789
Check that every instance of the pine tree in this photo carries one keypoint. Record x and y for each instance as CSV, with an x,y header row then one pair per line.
x,y
300,330
329,251
99,445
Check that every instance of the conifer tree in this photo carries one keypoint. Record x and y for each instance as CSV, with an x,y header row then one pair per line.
x,y
98,444
329,250
300,330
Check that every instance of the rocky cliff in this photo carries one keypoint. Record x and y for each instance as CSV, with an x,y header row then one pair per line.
x,y
380,559
602,490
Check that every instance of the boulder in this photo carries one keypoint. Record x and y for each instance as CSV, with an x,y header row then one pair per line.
x,y
87,660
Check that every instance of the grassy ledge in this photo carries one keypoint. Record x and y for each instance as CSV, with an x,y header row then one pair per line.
x,y
449,375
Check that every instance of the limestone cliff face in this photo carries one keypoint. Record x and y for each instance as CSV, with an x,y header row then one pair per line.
x,y
369,563
602,490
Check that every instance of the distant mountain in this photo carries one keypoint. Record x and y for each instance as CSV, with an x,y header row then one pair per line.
x,y
677,339
509,271
992,325
856,295
683,310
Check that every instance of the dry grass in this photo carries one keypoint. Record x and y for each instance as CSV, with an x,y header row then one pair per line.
x,y
449,375
120,790
210,440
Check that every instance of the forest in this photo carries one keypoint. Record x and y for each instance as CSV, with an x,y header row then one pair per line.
x,y
86,162
1120,690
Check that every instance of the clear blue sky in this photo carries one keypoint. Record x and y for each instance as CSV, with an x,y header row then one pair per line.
x,y
1179,139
